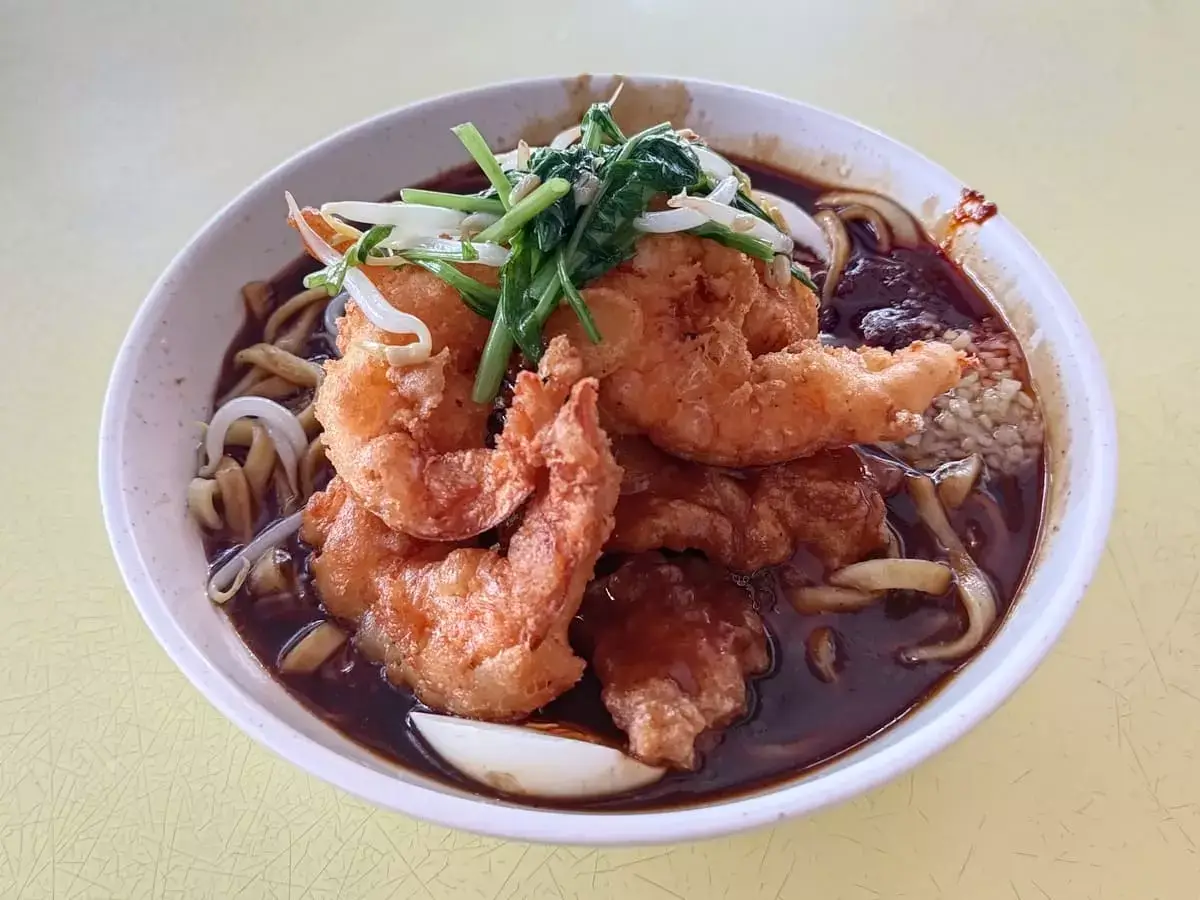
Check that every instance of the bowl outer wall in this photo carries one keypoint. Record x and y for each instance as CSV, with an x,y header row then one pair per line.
x,y
161,385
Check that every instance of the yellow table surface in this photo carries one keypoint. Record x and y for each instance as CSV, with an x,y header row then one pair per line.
x,y
123,127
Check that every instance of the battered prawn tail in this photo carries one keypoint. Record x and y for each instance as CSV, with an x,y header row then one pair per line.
x,y
377,419
721,367
354,549
484,635
872,395
552,555
810,397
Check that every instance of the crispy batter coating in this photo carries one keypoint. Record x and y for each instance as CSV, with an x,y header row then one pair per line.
x,y
673,643
410,440
471,631
718,367
752,518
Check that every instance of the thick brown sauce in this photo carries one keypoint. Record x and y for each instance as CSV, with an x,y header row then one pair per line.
x,y
796,721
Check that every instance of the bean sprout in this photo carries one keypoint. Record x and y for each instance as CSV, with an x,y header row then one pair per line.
x,y
668,221
414,220
372,303
228,578
725,215
286,431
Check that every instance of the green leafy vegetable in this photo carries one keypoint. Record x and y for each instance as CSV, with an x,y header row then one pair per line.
x,y
598,124
481,298
654,161
749,245
572,165
463,203
333,276
577,303
739,241
577,224
494,361
485,158
802,276
529,206
468,253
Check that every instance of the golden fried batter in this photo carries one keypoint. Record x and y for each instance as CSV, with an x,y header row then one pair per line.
x,y
749,519
672,644
719,367
410,440
471,631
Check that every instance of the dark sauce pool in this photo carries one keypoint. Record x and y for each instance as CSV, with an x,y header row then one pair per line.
x,y
796,721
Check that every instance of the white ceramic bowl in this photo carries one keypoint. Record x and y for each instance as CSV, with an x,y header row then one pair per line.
x,y
163,379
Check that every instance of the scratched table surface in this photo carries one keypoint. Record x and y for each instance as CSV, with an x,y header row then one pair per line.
x,y
124,126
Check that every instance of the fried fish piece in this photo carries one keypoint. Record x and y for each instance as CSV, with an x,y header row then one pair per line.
x,y
472,631
719,367
747,519
672,644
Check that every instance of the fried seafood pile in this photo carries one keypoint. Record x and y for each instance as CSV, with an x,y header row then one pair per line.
x,y
710,418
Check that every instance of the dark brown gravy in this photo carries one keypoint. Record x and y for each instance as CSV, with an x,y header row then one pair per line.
x,y
796,720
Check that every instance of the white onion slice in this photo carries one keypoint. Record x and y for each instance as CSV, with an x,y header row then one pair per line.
x,y
284,429
372,303
669,221
527,761
712,163
489,254
803,227
223,582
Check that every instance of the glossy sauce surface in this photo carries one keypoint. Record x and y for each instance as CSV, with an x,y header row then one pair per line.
x,y
795,720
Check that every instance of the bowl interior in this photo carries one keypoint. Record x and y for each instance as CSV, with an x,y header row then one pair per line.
x,y
163,380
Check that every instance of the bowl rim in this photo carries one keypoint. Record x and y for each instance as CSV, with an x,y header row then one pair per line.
x,y
485,816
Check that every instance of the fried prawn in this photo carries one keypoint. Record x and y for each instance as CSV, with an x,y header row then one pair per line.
x,y
409,440
477,632
715,365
